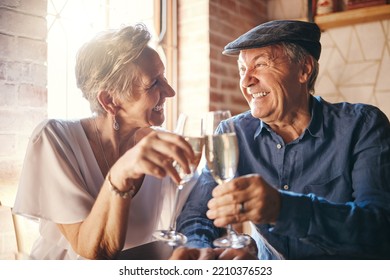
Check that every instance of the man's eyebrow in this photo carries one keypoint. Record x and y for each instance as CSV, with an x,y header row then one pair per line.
x,y
262,55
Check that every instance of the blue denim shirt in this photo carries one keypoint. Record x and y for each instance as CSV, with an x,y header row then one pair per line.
x,y
334,182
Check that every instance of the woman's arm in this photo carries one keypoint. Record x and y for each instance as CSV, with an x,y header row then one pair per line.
x,y
102,234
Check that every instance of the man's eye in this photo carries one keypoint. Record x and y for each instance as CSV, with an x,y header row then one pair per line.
x,y
242,70
260,64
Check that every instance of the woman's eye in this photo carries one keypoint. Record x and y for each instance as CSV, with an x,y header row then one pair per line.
x,y
152,84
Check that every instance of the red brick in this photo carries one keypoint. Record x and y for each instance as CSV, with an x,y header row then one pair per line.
x,y
8,46
239,101
15,23
217,96
21,120
218,68
8,95
220,76
10,3
34,7
32,96
12,71
214,81
32,50
3,67
229,84
22,61
34,73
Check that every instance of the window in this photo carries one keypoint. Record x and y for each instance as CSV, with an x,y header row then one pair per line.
x,y
70,24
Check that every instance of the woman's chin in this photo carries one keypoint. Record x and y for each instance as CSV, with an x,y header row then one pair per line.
x,y
157,119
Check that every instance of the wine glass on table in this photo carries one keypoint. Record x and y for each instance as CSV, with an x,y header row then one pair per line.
x,y
191,129
221,151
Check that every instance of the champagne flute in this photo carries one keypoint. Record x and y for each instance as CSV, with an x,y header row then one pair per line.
x,y
221,150
191,130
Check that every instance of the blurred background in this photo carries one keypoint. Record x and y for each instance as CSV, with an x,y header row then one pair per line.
x,y
39,40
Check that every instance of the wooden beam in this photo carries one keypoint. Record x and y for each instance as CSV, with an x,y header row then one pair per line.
x,y
355,16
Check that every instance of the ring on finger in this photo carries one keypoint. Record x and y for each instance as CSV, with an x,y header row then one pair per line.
x,y
168,161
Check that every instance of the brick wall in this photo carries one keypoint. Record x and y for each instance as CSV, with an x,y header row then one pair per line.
x,y
208,80
23,94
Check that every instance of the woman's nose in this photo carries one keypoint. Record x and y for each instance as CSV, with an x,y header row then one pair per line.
x,y
168,90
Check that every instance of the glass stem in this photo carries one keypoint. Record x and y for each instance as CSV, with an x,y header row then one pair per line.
x,y
174,210
231,233
229,229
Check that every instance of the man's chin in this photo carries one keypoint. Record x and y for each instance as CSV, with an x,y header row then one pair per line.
x,y
255,113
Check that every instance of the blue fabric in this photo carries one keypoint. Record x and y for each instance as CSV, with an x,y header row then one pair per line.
x,y
337,204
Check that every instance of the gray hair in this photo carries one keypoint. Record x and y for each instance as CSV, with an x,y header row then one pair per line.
x,y
298,54
104,63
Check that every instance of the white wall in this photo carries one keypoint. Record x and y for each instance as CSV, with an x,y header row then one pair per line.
x,y
355,59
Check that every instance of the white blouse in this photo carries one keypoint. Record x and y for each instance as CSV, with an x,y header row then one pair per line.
x,y
60,181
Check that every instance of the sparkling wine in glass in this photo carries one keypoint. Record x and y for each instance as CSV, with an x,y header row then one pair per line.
x,y
221,150
191,130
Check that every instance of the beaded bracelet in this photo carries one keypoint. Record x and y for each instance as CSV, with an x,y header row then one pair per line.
x,y
115,190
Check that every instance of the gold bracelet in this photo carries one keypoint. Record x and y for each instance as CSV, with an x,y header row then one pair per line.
x,y
115,190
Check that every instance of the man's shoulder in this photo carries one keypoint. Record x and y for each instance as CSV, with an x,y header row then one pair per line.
x,y
244,117
348,109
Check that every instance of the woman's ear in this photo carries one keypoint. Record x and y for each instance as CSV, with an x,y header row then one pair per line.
x,y
307,69
107,102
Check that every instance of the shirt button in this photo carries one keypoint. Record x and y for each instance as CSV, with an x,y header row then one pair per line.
x,y
278,146
286,187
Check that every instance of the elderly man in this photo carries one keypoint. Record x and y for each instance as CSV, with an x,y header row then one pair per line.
x,y
313,177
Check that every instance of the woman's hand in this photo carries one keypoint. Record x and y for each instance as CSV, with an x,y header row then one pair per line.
x,y
154,155
246,198
184,253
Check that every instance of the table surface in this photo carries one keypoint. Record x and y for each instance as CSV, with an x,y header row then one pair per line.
x,y
156,250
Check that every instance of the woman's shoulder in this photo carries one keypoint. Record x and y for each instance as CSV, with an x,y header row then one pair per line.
x,y
53,127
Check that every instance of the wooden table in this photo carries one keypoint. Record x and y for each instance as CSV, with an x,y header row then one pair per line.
x,y
156,250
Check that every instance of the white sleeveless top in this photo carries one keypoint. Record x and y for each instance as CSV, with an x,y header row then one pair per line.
x,y
60,181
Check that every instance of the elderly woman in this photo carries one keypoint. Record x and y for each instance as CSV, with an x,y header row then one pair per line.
x,y
97,185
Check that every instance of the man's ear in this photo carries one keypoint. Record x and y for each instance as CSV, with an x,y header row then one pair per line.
x,y
307,69
107,102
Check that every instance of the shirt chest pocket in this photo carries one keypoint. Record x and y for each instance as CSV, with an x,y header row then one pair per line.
x,y
335,187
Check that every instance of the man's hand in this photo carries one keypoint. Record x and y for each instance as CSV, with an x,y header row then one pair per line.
x,y
234,254
246,198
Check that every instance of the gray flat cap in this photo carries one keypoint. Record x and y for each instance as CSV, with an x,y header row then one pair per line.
x,y
305,34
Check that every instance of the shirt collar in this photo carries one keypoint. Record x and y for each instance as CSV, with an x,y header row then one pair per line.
x,y
315,127
262,127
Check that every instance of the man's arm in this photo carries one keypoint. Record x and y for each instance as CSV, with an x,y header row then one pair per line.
x,y
193,221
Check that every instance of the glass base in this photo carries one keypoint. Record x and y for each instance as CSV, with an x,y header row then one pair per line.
x,y
171,237
235,241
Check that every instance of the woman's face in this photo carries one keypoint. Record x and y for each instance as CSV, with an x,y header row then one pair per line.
x,y
150,89
270,83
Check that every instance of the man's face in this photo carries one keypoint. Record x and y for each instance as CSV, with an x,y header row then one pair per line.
x,y
271,84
